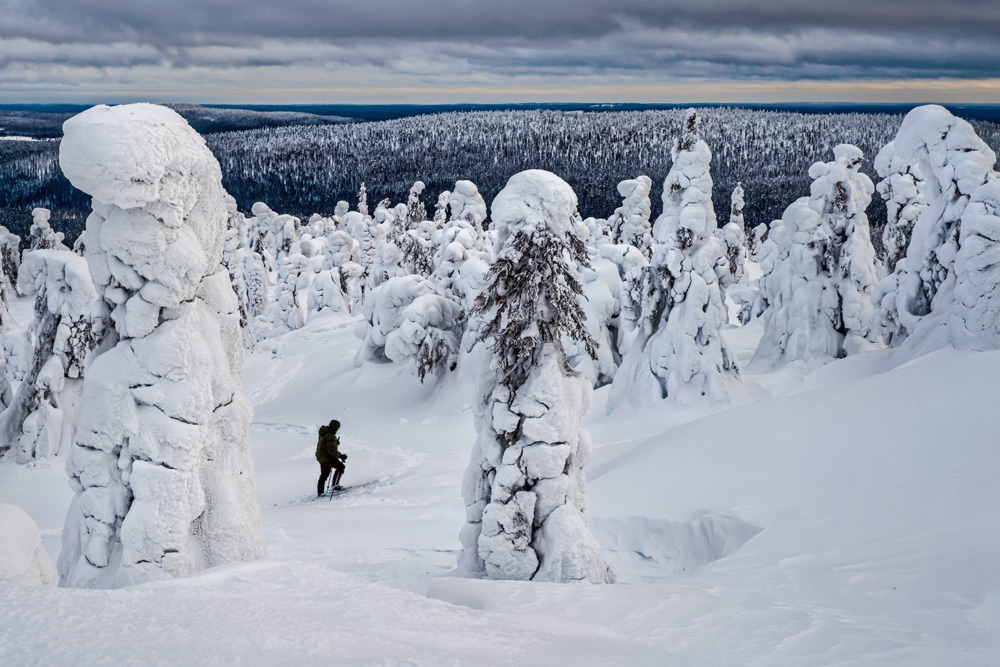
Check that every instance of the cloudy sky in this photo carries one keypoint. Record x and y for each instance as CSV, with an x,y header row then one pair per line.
x,y
387,51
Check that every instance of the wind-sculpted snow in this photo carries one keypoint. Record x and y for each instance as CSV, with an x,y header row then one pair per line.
x,y
163,479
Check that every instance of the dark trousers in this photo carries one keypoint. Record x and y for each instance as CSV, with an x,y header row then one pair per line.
x,y
324,474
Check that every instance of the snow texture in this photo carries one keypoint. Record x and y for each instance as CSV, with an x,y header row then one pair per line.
x,y
23,560
160,466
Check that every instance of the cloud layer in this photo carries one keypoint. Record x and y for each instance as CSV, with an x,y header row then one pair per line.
x,y
472,50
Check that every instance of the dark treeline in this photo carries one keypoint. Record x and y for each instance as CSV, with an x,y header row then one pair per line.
x,y
307,169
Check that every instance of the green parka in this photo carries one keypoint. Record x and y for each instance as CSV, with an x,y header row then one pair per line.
x,y
328,447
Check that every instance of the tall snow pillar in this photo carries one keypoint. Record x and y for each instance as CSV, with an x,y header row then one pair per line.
x,y
160,464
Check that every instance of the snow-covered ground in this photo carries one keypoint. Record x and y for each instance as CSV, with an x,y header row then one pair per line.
x,y
839,515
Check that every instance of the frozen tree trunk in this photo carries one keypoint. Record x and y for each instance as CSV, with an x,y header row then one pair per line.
x,y
160,464
524,489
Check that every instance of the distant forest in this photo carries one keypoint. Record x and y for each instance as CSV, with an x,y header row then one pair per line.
x,y
304,169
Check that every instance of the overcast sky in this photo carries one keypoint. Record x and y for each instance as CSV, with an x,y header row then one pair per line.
x,y
386,51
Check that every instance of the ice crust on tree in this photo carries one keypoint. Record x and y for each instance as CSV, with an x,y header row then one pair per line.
x,y
68,325
160,465
934,166
676,301
524,489
819,267
23,560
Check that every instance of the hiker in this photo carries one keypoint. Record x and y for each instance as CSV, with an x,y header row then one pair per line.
x,y
329,456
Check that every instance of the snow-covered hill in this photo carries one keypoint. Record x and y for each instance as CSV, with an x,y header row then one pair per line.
x,y
838,515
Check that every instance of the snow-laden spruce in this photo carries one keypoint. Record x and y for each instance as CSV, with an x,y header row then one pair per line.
x,y
42,236
676,300
819,267
525,489
630,221
23,560
160,464
467,204
68,325
934,166
10,262
235,251
288,310
975,319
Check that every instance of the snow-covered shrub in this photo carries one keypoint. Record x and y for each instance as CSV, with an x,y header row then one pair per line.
x,y
676,300
934,165
329,291
10,262
441,209
23,560
525,489
630,221
160,464
467,204
976,314
601,284
68,325
42,236
288,310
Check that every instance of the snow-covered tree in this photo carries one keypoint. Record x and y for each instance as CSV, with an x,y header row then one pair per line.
x,y
754,240
408,320
935,163
676,300
630,221
441,209
160,463
525,489
363,200
415,211
68,325
10,262
467,204
288,310
819,267
975,319
234,250
42,236
731,270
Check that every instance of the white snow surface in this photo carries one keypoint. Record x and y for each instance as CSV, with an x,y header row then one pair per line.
x,y
755,533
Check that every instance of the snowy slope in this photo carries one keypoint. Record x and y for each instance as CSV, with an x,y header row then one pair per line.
x,y
833,516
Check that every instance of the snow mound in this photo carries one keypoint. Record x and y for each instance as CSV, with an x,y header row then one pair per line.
x,y
22,558
660,547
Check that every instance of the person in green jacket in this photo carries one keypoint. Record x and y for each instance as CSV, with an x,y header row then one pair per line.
x,y
329,456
